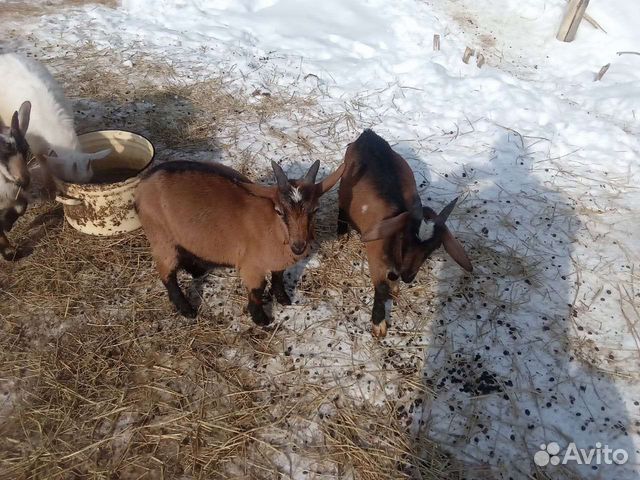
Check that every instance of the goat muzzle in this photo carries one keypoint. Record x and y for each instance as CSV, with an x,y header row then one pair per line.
x,y
298,247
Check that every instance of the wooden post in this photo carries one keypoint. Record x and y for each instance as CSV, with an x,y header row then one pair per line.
x,y
572,19
436,42
480,60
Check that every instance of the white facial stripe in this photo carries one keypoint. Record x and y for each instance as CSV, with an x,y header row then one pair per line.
x,y
426,230
296,195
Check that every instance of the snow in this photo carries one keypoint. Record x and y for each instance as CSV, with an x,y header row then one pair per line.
x,y
540,343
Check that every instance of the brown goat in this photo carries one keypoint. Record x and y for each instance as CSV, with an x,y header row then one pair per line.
x,y
379,198
14,175
197,216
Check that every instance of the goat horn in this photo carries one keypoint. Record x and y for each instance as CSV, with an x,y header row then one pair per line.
x,y
446,211
310,177
281,178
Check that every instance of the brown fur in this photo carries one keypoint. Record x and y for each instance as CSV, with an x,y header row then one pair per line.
x,y
379,198
219,217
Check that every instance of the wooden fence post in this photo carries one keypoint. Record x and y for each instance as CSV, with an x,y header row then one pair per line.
x,y
572,19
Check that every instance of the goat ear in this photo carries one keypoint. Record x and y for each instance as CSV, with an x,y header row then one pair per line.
x,y
281,178
455,250
330,180
263,191
386,227
310,177
24,114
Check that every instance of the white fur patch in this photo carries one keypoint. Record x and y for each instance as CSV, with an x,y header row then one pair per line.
x,y
365,208
426,230
296,195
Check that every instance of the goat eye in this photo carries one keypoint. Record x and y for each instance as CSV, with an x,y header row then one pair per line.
x,y
315,210
279,210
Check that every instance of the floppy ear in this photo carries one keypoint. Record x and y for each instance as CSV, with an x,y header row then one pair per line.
x,y
310,176
455,250
281,178
329,181
386,227
24,114
263,191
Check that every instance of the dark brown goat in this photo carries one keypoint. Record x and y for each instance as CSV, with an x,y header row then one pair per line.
x,y
197,216
379,198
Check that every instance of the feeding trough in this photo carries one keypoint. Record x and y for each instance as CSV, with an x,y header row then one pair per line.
x,y
105,206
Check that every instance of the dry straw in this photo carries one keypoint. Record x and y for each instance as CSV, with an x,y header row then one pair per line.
x,y
102,380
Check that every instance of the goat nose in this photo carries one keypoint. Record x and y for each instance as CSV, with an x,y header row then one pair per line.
x,y
23,183
298,247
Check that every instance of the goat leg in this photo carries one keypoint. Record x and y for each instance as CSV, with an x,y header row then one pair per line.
x,y
255,306
277,288
379,311
177,297
343,222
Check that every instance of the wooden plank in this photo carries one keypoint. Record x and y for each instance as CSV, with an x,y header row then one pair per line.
x,y
572,19
436,42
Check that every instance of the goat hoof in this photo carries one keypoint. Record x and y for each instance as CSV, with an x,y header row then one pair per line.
x,y
282,298
379,330
188,311
261,319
